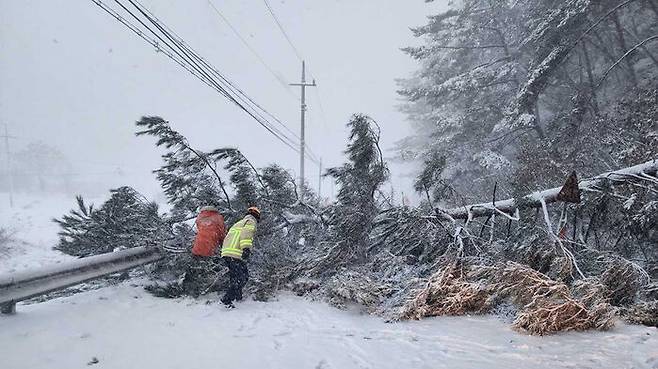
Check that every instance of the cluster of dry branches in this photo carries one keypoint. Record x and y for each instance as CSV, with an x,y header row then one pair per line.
x,y
544,305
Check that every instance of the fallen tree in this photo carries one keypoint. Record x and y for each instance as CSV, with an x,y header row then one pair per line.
x,y
641,172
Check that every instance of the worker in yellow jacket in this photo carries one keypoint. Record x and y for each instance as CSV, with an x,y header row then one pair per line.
x,y
236,250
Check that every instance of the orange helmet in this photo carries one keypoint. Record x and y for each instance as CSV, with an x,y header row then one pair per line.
x,y
254,211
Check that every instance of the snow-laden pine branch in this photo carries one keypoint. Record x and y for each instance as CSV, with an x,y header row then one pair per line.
x,y
645,171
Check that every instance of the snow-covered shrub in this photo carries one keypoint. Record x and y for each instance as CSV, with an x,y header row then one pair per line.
x,y
410,233
624,280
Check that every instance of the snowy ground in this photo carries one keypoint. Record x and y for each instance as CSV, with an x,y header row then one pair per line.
x,y
124,327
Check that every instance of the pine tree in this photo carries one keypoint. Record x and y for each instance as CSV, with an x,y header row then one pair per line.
x,y
498,78
358,179
189,177
125,220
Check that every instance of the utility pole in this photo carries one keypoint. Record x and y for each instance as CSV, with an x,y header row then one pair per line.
x,y
302,147
9,178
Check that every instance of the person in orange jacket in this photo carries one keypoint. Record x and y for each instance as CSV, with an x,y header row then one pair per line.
x,y
210,234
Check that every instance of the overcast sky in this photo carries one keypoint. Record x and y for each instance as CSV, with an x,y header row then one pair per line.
x,y
75,78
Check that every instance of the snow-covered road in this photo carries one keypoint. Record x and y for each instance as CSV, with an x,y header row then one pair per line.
x,y
124,327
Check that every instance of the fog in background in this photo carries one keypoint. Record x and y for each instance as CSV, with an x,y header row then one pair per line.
x,y
76,80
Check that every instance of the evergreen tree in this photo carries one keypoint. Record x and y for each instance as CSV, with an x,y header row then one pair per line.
x,y
359,179
189,177
125,220
498,78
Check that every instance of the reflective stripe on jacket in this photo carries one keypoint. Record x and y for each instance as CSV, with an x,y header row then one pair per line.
x,y
239,237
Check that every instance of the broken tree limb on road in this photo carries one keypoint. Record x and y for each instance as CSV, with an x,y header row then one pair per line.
x,y
644,172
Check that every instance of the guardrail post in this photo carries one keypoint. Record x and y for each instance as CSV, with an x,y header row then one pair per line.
x,y
8,308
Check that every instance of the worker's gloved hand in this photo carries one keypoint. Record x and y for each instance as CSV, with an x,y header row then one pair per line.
x,y
246,253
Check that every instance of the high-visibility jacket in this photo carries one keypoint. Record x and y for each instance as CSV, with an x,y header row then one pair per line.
x,y
210,233
239,237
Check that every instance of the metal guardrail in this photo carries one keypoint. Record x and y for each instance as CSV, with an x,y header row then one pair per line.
x,y
25,285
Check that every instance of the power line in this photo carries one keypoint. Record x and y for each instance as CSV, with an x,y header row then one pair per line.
x,y
285,35
283,31
194,66
189,55
189,60
283,83
231,85
227,85
216,72
155,44
299,56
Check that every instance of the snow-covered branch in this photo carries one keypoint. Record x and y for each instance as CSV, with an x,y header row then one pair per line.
x,y
644,171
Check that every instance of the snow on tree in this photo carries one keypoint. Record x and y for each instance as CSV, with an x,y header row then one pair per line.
x,y
358,179
189,177
125,220
192,178
499,78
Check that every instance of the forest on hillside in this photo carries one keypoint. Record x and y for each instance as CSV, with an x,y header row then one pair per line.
x,y
536,127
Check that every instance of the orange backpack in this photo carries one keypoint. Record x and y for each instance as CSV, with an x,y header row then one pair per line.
x,y
210,233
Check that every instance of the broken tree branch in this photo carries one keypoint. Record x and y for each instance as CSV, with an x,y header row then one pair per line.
x,y
534,200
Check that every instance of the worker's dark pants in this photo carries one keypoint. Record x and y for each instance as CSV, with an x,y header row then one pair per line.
x,y
238,275
198,275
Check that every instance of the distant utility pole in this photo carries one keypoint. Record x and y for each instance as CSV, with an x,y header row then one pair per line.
x,y
302,147
9,178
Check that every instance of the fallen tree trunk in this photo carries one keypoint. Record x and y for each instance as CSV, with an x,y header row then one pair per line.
x,y
645,171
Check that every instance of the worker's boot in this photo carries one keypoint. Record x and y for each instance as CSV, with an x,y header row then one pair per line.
x,y
226,300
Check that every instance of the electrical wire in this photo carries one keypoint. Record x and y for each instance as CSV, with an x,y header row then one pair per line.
x,y
244,41
184,59
172,46
283,31
299,56
228,85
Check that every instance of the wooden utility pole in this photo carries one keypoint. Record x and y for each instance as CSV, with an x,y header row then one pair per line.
x,y
9,178
302,146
